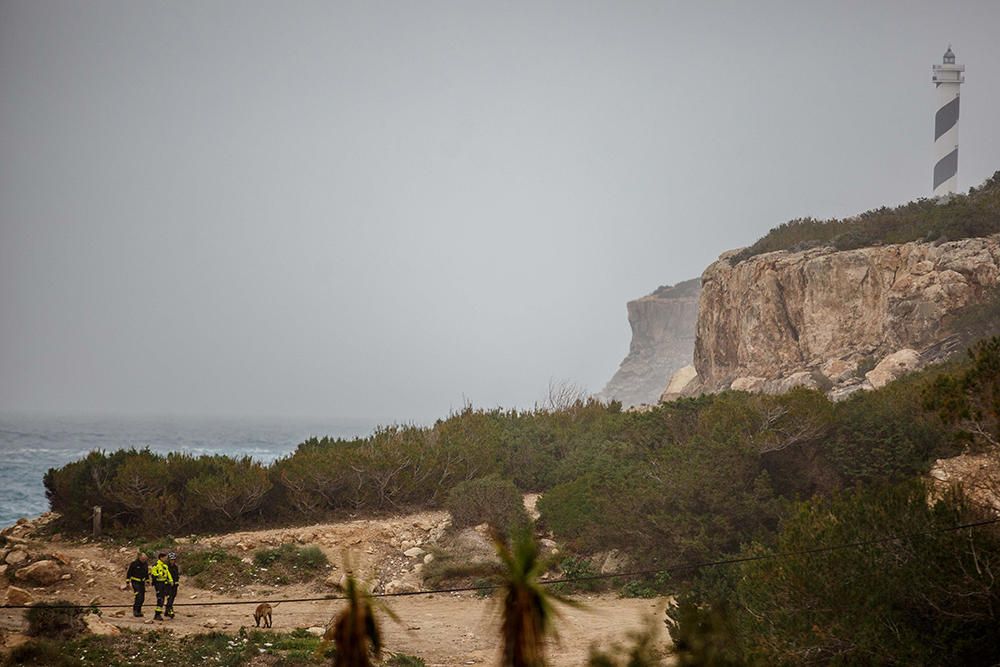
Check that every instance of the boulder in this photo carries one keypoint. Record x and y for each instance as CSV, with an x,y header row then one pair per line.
x,y
613,561
472,544
842,392
17,595
42,573
414,552
752,384
97,626
838,370
400,586
679,384
210,623
16,557
806,379
893,367
316,631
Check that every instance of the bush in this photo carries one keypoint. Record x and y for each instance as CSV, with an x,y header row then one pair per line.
x,y
649,587
290,563
928,598
489,500
43,653
216,568
55,620
575,567
964,216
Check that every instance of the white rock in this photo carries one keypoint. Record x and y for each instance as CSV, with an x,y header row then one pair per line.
x,y
428,559
97,626
316,631
682,379
893,367
751,384
414,552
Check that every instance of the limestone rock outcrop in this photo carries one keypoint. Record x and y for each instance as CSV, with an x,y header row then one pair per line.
x,y
663,332
823,318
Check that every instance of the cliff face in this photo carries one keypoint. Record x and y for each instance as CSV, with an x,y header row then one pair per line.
x,y
824,318
663,332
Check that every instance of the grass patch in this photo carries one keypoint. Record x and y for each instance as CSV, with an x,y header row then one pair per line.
x,y
286,564
215,568
291,563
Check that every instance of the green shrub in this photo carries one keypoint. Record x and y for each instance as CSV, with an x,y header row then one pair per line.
x,y
975,214
290,563
43,653
59,619
489,500
648,587
575,567
922,599
216,568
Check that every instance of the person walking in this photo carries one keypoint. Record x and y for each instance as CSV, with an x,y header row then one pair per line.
x,y
175,575
136,577
162,582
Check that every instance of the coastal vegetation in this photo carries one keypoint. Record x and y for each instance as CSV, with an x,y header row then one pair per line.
x,y
688,479
770,481
962,216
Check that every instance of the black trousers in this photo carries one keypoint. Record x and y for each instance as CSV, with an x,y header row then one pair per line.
x,y
161,593
139,588
171,596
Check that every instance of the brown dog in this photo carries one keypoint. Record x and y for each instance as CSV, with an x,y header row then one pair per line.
x,y
263,613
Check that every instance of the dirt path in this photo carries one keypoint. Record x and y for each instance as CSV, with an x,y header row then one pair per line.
x,y
443,629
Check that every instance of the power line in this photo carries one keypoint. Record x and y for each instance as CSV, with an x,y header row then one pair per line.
x,y
680,567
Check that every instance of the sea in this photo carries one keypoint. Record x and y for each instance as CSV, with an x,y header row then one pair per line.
x,y
30,445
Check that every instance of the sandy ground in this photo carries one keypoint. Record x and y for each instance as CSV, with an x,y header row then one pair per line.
x,y
443,629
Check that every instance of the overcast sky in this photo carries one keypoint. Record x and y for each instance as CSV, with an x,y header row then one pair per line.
x,y
384,209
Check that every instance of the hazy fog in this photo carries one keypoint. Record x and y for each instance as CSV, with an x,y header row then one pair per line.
x,y
386,208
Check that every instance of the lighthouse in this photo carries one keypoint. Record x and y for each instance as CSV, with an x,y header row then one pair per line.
x,y
947,78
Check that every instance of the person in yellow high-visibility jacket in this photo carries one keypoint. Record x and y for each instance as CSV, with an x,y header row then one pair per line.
x,y
163,582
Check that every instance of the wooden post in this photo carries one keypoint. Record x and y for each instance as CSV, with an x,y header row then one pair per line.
x,y
97,520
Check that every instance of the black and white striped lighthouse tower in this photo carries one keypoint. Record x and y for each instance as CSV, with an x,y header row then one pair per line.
x,y
947,78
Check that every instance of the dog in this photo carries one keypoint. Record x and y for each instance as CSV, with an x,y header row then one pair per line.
x,y
263,613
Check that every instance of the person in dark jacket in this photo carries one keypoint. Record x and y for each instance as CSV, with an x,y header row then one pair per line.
x,y
175,573
136,577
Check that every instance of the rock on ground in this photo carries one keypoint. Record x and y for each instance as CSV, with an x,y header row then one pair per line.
x,y
18,596
42,573
893,367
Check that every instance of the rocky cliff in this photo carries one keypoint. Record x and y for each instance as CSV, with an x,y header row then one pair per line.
x,y
836,320
663,331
